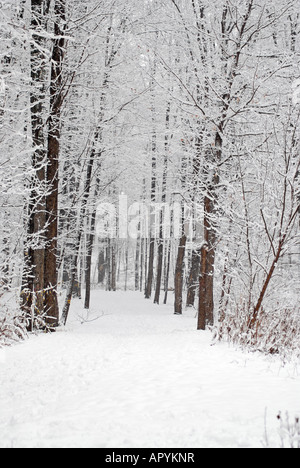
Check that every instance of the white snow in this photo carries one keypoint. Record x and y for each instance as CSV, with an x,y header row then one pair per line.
x,y
139,377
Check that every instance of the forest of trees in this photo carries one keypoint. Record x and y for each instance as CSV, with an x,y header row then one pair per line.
x,y
152,145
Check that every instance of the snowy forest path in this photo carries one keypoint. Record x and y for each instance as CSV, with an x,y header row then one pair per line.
x,y
131,374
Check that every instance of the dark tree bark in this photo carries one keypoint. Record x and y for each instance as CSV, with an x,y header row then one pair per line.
x,y
101,266
113,267
208,252
88,270
167,271
137,264
179,274
193,278
52,176
90,245
160,253
33,274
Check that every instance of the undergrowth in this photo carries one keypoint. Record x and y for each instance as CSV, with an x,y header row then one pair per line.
x,y
275,333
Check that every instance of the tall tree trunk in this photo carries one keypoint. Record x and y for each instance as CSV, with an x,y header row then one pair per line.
x,y
160,252
195,262
137,264
142,263
150,276
101,266
37,103
167,270
108,263
179,274
52,175
113,266
168,253
33,275
208,252
150,269
179,270
90,245
88,267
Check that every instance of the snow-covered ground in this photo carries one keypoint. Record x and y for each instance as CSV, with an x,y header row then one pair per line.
x,y
136,376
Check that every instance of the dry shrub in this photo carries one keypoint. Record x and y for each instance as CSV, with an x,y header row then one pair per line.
x,y
12,328
275,332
